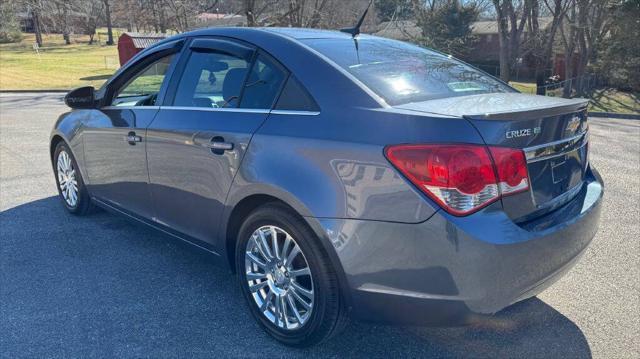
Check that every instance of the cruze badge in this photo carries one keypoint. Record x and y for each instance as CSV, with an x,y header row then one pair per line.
x,y
523,132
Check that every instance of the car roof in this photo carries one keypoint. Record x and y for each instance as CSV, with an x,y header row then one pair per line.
x,y
305,33
288,32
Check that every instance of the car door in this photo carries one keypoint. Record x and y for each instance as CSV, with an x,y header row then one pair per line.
x,y
114,135
198,139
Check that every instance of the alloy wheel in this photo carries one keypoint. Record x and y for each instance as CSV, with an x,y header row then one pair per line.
x,y
279,277
67,179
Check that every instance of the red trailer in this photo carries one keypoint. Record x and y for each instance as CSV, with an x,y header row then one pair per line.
x,y
130,43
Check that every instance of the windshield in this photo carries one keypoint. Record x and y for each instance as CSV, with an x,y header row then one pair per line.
x,y
402,73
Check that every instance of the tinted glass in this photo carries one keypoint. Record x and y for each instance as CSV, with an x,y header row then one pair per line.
x,y
295,97
143,88
212,80
263,85
402,73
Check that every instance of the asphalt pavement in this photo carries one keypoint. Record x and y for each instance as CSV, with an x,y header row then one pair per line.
x,y
101,286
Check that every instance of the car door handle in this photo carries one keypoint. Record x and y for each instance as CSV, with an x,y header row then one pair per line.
x,y
223,146
218,145
132,138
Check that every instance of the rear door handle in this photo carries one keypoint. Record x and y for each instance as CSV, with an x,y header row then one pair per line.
x,y
132,138
223,146
218,146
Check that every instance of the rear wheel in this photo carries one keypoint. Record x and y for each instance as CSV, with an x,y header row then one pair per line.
x,y
71,188
287,279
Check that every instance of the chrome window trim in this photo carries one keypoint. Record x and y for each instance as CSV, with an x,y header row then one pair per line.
x,y
130,108
218,109
295,112
555,148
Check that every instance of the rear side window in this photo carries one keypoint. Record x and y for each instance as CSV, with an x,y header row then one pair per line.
x,y
211,80
263,84
295,97
403,73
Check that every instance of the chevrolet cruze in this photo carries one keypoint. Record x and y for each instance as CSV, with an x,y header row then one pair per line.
x,y
338,176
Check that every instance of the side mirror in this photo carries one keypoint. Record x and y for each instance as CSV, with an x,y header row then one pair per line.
x,y
81,98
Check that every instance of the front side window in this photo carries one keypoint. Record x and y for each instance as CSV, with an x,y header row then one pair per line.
x,y
212,80
401,73
143,88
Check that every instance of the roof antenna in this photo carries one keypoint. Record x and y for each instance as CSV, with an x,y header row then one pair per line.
x,y
355,31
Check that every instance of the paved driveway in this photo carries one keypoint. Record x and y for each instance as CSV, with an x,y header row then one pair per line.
x,y
101,286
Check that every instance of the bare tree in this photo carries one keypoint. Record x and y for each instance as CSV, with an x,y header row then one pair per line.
x,y
541,41
107,15
588,22
594,22
306,14
512,16
62,19
90,12
568,33
34,7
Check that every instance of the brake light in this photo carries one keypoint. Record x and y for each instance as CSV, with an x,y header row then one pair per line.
x,y
511,168
461,178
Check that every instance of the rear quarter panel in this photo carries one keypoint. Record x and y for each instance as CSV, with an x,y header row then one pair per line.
x,y
332,165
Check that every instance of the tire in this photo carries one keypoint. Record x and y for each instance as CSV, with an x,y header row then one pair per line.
x,y
66,171
327,316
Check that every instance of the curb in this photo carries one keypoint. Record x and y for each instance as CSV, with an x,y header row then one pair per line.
x,y
626,116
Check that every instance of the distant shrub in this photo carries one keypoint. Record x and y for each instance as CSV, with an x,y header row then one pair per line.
x,y
8,36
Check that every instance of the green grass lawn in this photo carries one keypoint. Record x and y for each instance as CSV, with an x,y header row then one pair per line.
x,y
602,100
57,66
611,100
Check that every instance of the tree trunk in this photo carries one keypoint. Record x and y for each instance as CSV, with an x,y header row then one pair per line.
x,y
503,34
65,25
163,21
107,12
249,10
540,89
509,30
544,60
568,70
569,48
37,26
505,68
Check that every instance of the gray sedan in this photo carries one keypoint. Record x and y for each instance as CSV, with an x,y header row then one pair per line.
x,y
337,175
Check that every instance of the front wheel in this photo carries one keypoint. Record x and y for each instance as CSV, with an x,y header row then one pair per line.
x,y
287,279
71,188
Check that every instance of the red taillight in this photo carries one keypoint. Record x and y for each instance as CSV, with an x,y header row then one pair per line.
x,y
511,168
461,178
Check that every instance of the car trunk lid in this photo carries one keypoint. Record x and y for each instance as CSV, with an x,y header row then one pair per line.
x,y
551,131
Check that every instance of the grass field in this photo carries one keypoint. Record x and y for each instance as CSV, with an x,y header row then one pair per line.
x,y
602,100
610,100
57,66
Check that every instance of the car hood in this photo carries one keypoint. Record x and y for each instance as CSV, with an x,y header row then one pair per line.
x,y
493,105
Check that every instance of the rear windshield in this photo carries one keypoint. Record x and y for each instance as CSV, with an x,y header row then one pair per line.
x,y
402,73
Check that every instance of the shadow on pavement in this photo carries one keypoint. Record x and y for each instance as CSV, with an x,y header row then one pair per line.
x,y
100,286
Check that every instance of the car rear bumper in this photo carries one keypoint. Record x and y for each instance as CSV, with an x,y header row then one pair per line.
x,y
448,269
